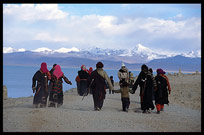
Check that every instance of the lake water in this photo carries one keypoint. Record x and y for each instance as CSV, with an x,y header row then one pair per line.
x,y
18,79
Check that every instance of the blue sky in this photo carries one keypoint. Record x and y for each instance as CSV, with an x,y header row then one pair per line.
x,y
172,28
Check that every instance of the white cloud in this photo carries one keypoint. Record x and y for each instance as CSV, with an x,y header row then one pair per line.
x,y
101,30
48,38
34,11
178,16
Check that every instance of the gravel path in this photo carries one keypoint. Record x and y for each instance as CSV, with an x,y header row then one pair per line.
x,y
78,116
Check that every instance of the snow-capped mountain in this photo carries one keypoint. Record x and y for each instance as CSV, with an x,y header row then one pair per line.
x,y
192,54
11,50
137,54
112,58
43,50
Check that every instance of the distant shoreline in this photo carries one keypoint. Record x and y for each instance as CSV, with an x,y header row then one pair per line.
x,y
50,66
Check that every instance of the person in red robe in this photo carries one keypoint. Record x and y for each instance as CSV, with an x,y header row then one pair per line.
x,y
56,93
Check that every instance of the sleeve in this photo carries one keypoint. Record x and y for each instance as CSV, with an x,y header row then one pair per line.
x,y
154,81
136,83
128,75
49,75
34,79
168,84
119,75
66,79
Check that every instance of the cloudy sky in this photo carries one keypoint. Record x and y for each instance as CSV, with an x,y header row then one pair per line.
x,y
172,28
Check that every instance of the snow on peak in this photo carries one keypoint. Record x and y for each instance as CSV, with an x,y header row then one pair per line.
x,y
11,50
21,50
66,50
140,49
8,50
192,54
43,49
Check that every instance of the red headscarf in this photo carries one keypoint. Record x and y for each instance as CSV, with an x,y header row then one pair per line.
x,y
90,70
43,67
58,72
83,67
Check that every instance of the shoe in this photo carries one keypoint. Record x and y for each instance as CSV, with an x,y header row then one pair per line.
x,y
126,109
35,105
158,112
149,111
41,105
98,109
58,105
144,111
55,105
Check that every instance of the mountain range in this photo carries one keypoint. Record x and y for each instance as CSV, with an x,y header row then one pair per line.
x,y
112,58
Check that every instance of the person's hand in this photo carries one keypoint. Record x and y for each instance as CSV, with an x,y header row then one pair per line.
x,y
132,91
169,92
70,82
34,89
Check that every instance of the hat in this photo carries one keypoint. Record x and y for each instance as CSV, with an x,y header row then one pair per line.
x,y
144,67
123,65
99,65
160,71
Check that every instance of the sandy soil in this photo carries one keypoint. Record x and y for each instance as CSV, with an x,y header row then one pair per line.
x,y
182,115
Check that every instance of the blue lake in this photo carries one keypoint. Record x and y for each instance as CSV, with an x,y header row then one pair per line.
x,y
18,79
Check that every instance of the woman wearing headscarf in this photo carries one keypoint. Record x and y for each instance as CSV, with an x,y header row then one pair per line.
x,y
41,90
161,94
51,83
83,75
146,81
90,70
56,93
98,85
123,75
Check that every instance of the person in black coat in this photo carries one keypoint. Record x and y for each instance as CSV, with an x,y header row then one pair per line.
x,y
83,75
41,90
161,94
146,82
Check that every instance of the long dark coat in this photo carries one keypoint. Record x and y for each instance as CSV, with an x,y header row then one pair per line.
x,y
161,95
147,98
146,83
41,88
83,75
98,88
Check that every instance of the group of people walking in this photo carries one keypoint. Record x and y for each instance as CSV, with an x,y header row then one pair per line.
x,y
96,81
54,89
152,87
